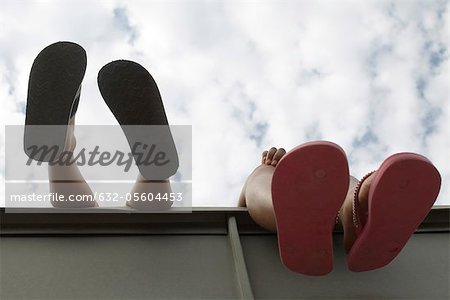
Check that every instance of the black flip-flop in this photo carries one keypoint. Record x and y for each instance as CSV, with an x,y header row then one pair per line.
x,y
53,94
133,97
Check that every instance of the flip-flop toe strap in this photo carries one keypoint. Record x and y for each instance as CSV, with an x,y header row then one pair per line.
x,y
74,107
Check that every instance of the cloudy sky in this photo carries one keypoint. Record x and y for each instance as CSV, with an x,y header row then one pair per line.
x,y
371,76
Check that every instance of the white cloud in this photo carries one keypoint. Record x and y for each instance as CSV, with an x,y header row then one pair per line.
x,y
345,71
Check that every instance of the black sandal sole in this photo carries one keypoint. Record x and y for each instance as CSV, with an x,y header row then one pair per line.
x,y
133,97
53,94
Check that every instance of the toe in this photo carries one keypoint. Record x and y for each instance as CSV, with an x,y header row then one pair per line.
x,y
270,155
277,156
264,155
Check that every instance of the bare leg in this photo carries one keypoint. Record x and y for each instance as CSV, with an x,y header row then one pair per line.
x,y
144,194
67,180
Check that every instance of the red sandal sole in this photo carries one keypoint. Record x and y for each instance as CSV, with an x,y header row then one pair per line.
x,y
401,195
309,186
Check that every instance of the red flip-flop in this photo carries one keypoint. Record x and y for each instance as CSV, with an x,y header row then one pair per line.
x,y
401,194
309,185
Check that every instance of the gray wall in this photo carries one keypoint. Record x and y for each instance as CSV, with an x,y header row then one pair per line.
x,y
200,266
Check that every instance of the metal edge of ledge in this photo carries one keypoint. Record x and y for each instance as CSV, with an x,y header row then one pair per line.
x,y
199,220
242,278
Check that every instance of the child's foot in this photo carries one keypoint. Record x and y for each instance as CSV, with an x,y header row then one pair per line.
x,y
387,208
65,177
151,195
269,159
133,97
53,95
308,187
